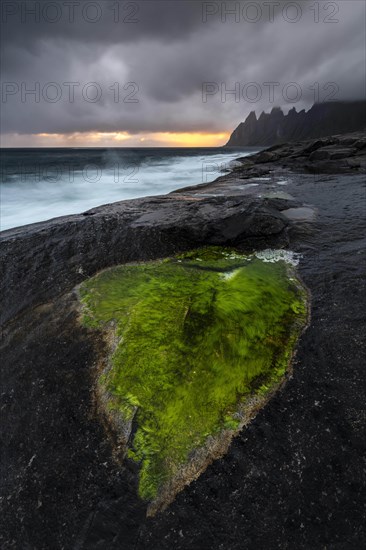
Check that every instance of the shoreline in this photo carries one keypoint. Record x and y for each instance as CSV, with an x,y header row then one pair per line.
x,y
236,208
304,450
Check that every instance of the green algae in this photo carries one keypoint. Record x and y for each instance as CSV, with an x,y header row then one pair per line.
x,y
197,335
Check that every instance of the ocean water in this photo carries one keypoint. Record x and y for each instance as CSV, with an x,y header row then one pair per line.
x,y
40,184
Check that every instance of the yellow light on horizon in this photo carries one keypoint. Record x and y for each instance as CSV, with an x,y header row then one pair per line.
x,y
190,139
110,139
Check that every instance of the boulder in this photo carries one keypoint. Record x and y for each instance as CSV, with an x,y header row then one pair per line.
x,y
320,154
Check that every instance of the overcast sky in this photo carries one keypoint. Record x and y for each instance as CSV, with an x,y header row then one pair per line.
x,y
139,75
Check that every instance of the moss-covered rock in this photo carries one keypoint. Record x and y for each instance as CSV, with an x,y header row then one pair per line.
x,y
198,337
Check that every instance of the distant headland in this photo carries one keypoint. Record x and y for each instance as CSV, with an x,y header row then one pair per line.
x,y
323,119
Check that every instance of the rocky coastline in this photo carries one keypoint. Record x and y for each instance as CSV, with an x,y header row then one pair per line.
x,y
293,478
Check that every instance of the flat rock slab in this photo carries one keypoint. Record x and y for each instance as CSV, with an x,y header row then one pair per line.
x,y
299,214
44,260
332,153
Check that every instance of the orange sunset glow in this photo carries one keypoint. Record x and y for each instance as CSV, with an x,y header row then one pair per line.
x,y
117,139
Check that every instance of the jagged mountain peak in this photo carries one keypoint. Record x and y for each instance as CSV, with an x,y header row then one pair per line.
x,y
322,119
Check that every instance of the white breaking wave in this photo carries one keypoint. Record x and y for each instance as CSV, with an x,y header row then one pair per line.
x,y
271,256
29,200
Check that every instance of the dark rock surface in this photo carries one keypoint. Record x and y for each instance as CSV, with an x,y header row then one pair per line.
x,y
43,260
331,155
323,119
294,479
287,159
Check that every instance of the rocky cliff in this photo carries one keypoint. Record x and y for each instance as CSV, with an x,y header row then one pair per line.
x,y
323,119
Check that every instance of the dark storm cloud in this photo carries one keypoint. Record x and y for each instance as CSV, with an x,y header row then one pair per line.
x,y
107,21
169,52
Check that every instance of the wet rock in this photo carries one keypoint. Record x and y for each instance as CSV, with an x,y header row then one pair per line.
x,y
324,156
327,167
336,154
320,154
306,151
266,156
332,153
299,467
358,163
347,142
44,260
299,214
360,144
